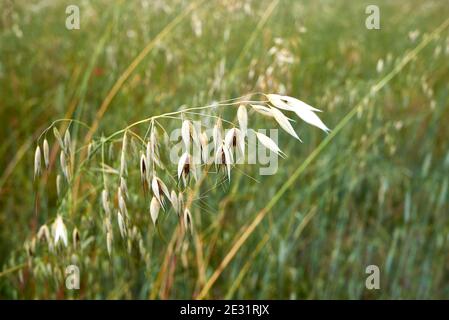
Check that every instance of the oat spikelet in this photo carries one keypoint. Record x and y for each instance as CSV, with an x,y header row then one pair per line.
x,y
68,142
46,154
154,209
268,143
107,225
121,224
123,167
185,133
163,187
217,134
302,109
224,157
153,150
189,134
204,147
43,233
242,117
235,138
148,157
262,110
64,166
122,203
58,138
37,162
30,247
186,167
282,120
305,112
194,134
188,220
276,101
296,103
105,201
180,202
124,187
174,201
75,238
59,231
311,118
109,242
183,164
143,170
159,190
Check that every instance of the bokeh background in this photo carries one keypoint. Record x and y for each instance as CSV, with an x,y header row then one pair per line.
x,y
376,194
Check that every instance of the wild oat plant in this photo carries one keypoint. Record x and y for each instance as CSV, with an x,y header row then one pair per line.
x,y
143,175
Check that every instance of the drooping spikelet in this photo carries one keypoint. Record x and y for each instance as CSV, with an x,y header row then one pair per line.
x,y
204,147
143,170
124,187
186,167
105,201
242,117
283,121
75,238
37,162
153,151
121,202
46,154
262,110
64,166
268,143
189,134
217,134
188,220
109,242
59,231
180,202
123,167
302,109
224,158
121,224
174,201
154,209
44,233
235,139
58,138
68,143
159,190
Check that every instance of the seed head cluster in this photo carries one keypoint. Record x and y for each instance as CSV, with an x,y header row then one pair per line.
x,y
162,190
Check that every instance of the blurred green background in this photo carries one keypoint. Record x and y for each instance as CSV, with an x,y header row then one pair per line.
x,y
377,194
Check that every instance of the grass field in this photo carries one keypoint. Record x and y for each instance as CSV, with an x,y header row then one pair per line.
x,y
372,192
